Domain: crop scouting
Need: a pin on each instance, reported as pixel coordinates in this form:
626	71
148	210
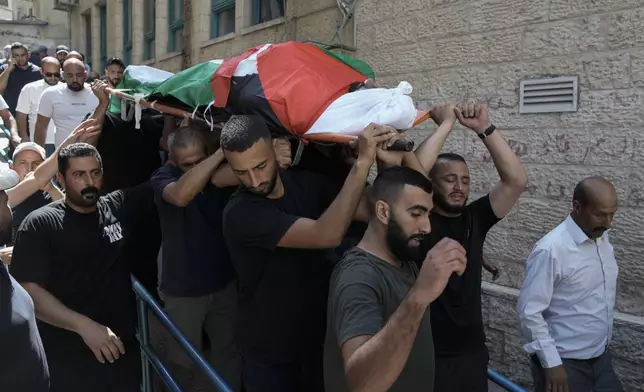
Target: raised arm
514	179
374	363
5	73
445	117
47	170
99	113
182	191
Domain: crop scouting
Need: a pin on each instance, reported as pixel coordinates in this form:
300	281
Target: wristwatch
487	132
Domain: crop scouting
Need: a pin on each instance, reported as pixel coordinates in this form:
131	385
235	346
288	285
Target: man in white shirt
29	99
567	301
9	122
66	104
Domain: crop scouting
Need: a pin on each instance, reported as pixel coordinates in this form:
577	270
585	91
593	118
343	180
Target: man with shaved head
567	301
29	99
67	104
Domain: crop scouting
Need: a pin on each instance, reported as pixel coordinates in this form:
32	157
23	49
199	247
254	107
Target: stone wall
452	50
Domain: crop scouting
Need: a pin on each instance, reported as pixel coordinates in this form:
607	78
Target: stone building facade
456	49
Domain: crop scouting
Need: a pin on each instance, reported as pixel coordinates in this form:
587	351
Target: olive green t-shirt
364	292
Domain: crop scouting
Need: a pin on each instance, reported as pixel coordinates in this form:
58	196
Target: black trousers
584	375
299	376
463	373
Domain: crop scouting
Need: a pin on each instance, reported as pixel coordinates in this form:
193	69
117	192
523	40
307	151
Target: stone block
625	29
541	216
400	60
301	8
445	21
515	355
635	195
459	82
370	11
630	374
556	182
495	340
637	67
512	245
365	36
491	47
395	32
607	108
616	146
315	26
628	226
628	340
507	13
549	146
570	8
566	37
511	271
630	297
606	71
505	114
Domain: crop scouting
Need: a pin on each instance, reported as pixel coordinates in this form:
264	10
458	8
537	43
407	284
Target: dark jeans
463	373
301	376
584	375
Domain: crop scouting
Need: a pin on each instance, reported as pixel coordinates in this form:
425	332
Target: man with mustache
16	73
68	257
23	365
281	228
457	321
29	99
379	335
66	104
114	68
567	301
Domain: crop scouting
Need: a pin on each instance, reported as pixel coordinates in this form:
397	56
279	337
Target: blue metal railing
149	356
503	382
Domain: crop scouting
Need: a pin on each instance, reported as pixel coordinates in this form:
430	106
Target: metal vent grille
552	95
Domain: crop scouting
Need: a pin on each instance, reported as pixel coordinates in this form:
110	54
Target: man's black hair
76	150
241	132
445	157
19	45
186	137
115	61
391	181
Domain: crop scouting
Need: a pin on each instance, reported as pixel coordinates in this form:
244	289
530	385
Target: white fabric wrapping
353	112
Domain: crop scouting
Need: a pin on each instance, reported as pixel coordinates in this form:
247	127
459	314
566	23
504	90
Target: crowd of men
290	278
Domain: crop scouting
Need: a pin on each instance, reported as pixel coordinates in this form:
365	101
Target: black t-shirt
457	321
195	259
76	258
129	155
365	291
283	291
30	204
17	80
23	365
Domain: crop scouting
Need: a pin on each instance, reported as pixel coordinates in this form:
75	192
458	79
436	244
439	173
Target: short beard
441	202
269	189
398	241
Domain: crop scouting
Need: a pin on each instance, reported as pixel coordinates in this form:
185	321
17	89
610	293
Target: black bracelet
487	132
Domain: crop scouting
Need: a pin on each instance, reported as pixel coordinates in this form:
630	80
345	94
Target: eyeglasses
50	74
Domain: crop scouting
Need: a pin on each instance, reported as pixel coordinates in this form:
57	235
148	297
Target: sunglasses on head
50	74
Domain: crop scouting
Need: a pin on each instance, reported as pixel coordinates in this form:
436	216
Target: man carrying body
67	104
198	281
457	321
29	99
379	335
67	256
567	301
114	68
281	228
23	365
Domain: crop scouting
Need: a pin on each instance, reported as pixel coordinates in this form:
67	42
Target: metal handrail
149	356
503	382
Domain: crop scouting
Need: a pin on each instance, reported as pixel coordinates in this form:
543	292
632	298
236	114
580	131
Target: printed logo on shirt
113	231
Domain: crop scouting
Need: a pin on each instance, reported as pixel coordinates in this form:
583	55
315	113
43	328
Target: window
149	19
103	27
175	20
4	3
87	24
265	10
222	18
127	32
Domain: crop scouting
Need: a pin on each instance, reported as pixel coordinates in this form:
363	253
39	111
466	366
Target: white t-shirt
3	103
66	108
28	104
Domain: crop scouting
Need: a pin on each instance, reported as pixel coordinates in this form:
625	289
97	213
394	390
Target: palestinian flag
138	79
288	84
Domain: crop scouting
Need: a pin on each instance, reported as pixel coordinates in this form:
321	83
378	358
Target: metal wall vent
551	95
